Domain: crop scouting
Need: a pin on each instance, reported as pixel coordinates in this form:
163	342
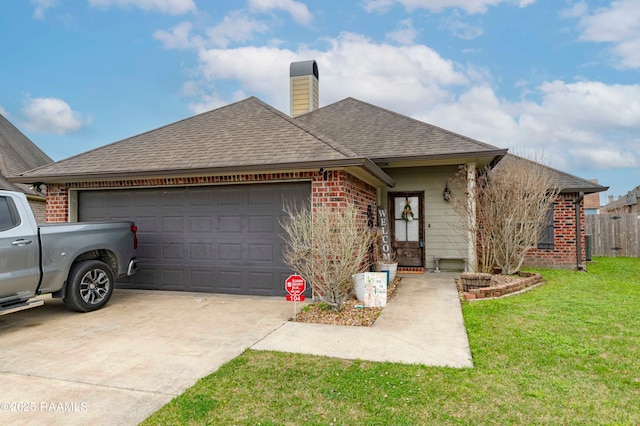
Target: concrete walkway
422	324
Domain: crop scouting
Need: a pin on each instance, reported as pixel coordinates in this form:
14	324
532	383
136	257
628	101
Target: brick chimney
304	78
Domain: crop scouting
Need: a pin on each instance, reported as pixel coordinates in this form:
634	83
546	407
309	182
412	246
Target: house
207	192
563	242
18	154
626	204
592	201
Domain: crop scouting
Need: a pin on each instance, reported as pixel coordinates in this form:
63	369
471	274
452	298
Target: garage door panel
199	197
201	251
212	238
172	251
261	282
173	224
171	198
261	252
173	279
230	196
229	224
230	281
260	223
200	224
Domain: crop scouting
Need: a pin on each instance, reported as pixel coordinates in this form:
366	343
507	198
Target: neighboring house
207	192
625	204
18	154
592	201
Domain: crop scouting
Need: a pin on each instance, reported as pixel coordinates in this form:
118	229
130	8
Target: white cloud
177	38
617	25
405	34
41	7
4	112
169	7
378	6
352	65
52	115
469	6
459	28
583	125
297	10
235	27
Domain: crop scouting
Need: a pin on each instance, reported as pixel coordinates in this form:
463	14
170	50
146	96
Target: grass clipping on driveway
565	353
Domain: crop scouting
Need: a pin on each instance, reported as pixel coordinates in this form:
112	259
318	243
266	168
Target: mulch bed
352	313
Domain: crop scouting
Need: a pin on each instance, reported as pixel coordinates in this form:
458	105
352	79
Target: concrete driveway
122	363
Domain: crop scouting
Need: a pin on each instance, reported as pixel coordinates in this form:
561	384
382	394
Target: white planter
358	286
391	267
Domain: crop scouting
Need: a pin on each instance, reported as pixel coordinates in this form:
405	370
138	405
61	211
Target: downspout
578	202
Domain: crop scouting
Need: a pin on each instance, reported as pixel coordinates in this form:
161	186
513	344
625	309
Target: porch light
446	194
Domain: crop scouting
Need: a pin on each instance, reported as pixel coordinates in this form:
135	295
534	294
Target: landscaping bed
474	286
353	313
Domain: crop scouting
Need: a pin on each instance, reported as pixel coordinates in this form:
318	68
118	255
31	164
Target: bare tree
512	202
327	245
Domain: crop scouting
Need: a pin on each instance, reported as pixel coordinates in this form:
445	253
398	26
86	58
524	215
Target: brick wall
337	188
334	187
39	210
563	254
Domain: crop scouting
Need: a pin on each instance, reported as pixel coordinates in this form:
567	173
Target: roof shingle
17	154
246	133
382	135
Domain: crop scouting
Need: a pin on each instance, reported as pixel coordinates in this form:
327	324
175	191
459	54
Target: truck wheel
89	286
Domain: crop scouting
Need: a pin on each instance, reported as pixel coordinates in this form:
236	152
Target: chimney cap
302	68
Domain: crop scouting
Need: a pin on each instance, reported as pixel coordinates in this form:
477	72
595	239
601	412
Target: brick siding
334	187
563	254
39	210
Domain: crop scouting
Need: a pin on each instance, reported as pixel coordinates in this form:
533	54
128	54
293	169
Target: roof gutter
369	166
453	155
585	190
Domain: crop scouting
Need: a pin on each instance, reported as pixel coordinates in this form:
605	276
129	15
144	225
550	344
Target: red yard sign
295	286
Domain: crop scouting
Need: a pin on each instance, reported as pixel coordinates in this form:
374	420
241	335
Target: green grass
565	353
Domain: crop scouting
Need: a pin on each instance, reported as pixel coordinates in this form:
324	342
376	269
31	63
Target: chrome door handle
21	242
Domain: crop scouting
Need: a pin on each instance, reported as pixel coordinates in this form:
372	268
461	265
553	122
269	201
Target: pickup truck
77	262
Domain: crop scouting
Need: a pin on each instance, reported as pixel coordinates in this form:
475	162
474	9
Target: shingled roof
567	183
17	154
245	136
384	135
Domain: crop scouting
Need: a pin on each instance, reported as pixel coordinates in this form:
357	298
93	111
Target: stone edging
526	283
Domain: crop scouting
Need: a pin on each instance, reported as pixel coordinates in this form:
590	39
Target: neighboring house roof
18	154
630	199
385	136
245	136
567	183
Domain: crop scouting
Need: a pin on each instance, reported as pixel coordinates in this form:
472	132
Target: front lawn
565	353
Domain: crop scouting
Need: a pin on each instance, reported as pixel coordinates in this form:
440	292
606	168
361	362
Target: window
8	214
547	238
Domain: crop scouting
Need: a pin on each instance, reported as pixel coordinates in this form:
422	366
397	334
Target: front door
406	209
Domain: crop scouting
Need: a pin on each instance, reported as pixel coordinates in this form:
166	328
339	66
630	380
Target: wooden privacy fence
614	235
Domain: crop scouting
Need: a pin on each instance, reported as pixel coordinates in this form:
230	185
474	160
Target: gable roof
385	136
245	136
567	183
17	154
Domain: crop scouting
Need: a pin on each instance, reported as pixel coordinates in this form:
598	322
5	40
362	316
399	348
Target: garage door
218	239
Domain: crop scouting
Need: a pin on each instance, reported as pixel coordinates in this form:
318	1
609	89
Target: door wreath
407	214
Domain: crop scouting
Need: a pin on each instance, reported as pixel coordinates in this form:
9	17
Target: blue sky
550	78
